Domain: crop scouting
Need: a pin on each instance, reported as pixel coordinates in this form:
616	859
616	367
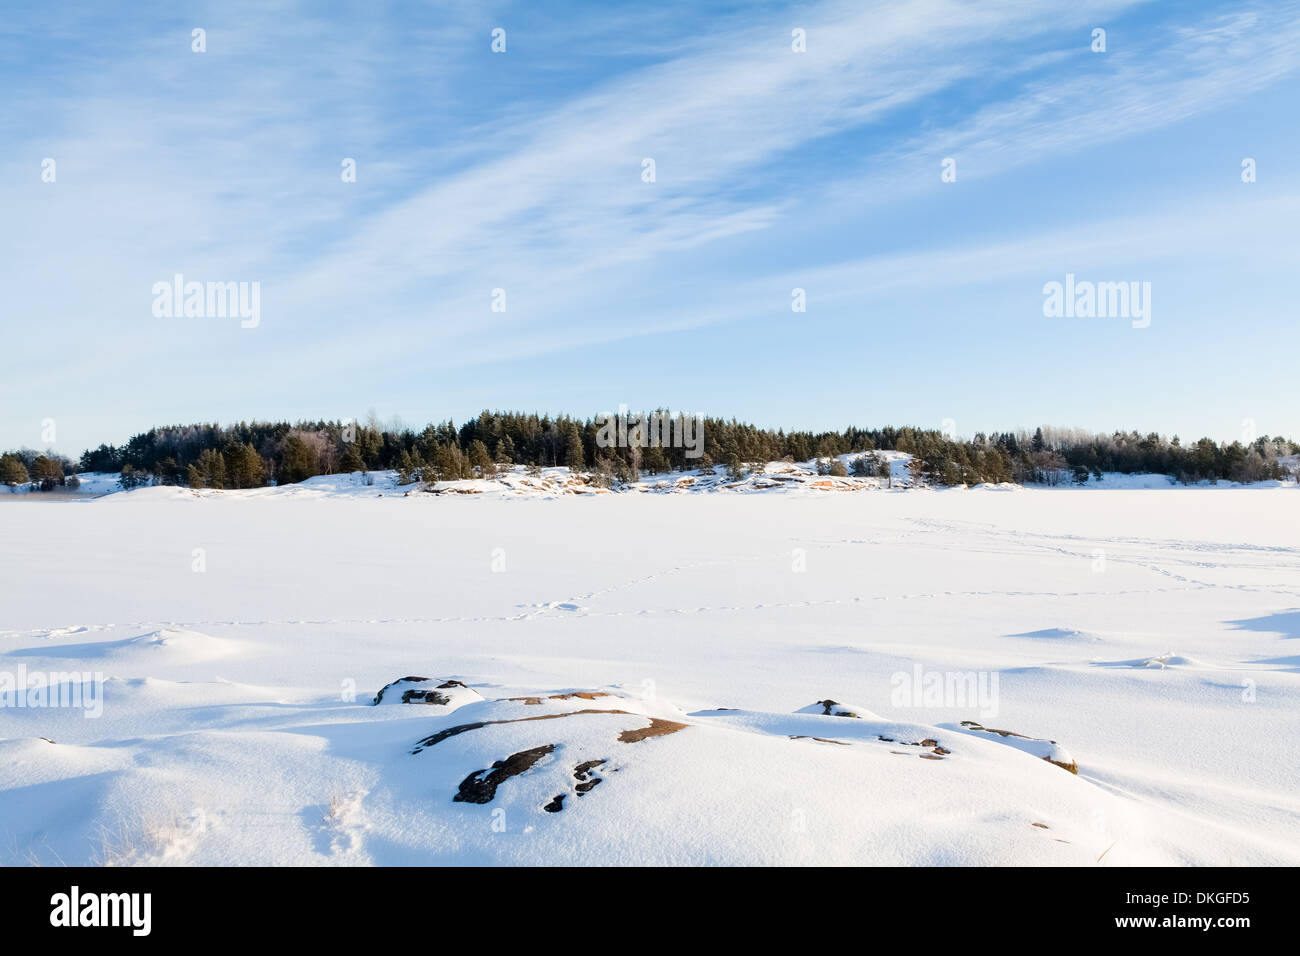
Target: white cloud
235	177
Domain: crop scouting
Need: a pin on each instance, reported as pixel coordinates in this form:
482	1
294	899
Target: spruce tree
405	469
351	460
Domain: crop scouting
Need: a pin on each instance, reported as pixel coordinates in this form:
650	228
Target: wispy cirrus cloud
523	171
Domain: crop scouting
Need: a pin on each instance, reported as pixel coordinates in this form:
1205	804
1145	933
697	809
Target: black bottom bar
383	906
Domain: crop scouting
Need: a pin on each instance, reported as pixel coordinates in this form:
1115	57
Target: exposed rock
1048	750
587	779
586	776
579	694
479	789
658	727
833	708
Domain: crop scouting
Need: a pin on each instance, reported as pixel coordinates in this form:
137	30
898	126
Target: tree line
253	454
44	472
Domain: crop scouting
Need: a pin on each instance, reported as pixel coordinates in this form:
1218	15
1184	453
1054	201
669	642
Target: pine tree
506	451
254	467
233	456
656	462
370	441
212	467
297	462
573	449
735	470
48	471
480	460
12	470
405	469
449	463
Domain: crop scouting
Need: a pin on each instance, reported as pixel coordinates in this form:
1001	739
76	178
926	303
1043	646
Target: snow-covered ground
89	484
729	678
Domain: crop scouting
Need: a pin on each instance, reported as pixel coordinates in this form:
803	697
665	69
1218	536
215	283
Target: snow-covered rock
1048	750
449	694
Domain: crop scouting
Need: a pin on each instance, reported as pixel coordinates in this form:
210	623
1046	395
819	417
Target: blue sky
774	170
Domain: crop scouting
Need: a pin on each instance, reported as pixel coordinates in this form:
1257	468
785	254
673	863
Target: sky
922	170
